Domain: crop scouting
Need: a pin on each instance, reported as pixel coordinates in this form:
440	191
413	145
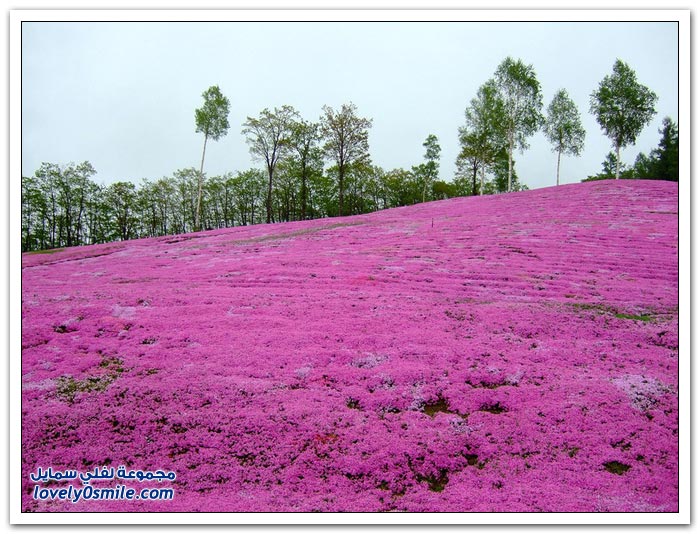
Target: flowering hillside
506	353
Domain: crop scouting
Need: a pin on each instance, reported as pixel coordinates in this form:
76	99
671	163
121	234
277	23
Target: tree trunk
617	162
476	170
268	203
341	172
558	162
481	189
199	188
510	160
303	190
53	221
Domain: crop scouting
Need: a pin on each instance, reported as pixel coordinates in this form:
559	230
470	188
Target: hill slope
509	353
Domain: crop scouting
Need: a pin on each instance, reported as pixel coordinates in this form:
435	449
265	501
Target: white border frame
15	127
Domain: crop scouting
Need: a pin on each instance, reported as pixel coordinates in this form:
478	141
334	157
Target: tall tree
268	136
623	107
482	136
346	137
430	168
522	101
303	142
212	121
467	164
563	127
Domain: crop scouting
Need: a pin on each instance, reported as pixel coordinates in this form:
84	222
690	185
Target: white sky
122	95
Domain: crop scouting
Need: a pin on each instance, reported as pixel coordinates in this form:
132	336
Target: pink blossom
507	353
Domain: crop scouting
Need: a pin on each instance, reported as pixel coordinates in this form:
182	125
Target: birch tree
563	127
522	102
212	121
623	107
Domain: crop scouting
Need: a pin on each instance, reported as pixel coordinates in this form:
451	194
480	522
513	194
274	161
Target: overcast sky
122	95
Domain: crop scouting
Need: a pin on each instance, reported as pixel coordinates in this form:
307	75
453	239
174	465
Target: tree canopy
483	135
346	141
428	171
563	127
268	136
522	103
212	117
622	106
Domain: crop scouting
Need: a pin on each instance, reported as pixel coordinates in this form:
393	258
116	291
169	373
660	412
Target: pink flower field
511	353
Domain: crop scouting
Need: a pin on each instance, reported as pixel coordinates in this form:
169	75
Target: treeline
63	206
310	170
323	169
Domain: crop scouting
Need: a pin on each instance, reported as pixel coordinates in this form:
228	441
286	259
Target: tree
503	172
665	156
268	135
121	199
662	162
97	215
522	102
482	135
323	197
376	192
34	207
151	220
429	169
563	127
70	186
164	196
401	188
611	163
57	204
346	137
644	167
212	121
444	190
303	143
287	191
622	107
467	164
467	167
185	183
248	188
609	166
